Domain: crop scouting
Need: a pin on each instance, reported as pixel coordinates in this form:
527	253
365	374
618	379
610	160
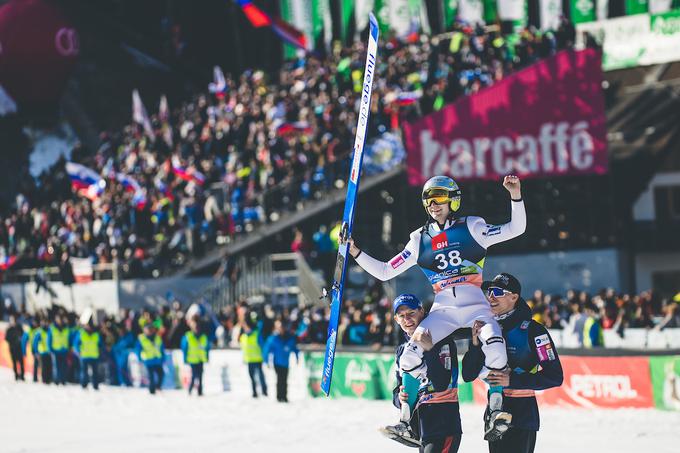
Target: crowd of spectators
369	321
365	321
262	144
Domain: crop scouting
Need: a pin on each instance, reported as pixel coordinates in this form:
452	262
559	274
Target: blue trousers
85	366
60	366
255	371
197	377
155	373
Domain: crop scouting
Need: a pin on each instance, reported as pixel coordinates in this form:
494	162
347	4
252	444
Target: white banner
551	10
602	9
471	11
82	269
659	6
638	40
361	10
511	9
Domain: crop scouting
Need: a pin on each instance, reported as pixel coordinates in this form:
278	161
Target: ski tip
372	19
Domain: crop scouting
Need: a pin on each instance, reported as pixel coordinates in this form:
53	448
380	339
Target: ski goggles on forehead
436	196
495	291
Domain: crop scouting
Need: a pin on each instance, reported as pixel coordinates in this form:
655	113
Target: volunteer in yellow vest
59	345
88	345
196	349
151	352
42	351
251	345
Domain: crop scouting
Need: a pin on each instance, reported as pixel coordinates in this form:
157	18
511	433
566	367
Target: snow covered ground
38	418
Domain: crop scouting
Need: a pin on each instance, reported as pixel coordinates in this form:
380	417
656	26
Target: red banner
589	382
545	120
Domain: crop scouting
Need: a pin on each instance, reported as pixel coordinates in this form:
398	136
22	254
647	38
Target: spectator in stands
16	341
277	349
591	332
672	314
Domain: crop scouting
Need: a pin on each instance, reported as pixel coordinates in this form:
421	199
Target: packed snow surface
39	418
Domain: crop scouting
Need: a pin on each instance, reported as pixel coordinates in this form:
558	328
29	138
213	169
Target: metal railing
102	271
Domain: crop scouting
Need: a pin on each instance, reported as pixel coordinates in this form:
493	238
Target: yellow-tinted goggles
436	196
436	200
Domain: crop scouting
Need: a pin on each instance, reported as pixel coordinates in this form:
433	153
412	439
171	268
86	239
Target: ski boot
496	424
402	433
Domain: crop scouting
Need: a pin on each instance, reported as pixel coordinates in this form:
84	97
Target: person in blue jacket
431	416
151	352
532	357
279	346
59	343
121	350
89	345
41	350
196	348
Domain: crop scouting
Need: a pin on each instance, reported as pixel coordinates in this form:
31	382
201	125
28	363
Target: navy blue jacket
533	359
438	411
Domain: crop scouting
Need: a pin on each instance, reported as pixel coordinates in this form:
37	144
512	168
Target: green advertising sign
369	376
582	11
666	23
636	6
450	13
665	372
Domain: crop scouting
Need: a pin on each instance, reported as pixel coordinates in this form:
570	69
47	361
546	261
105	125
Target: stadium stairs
311	208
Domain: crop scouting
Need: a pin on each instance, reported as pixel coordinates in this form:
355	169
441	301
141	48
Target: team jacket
452	255
534	362
437	412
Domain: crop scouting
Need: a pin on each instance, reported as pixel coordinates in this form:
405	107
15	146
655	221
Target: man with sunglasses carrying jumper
532	356
451	250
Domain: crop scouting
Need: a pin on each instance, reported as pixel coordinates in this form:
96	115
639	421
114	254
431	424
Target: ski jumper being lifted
451	250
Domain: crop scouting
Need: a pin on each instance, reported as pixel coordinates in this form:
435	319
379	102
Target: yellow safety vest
252	353
42	342
59	338
150	350
197	348
89	344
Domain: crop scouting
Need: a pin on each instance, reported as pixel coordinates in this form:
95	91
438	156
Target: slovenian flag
131	185
187	174
163	188
408	97
219	84
298	127
286	31
290	34
85	181
255	15
7	261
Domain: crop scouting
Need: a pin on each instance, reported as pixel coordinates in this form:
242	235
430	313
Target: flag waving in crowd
85	181
139	114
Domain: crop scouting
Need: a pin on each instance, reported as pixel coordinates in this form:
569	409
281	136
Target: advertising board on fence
665	371
363	375
545	120
602	382
637	40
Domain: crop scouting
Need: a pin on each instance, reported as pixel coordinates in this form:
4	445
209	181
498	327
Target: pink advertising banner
545	120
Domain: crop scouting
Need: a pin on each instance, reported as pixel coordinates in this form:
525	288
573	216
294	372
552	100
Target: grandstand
178	165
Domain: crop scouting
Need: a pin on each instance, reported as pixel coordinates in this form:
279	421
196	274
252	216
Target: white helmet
441	190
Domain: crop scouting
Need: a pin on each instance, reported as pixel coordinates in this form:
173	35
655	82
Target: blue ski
348	215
